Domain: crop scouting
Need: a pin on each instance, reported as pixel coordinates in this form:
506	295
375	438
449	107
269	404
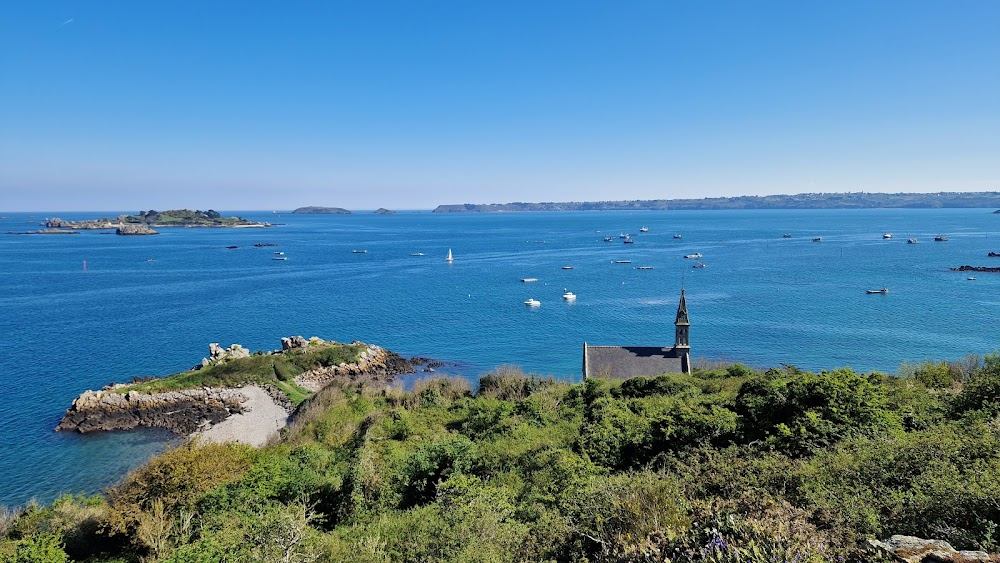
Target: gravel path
261	419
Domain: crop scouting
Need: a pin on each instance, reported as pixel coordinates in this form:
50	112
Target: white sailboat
450	258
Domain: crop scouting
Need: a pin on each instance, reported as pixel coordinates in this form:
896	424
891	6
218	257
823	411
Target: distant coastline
857	200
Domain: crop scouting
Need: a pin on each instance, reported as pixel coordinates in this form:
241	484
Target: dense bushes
727	464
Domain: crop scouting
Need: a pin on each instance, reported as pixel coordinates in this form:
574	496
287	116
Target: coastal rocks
374	363
217	354
384	211
57	223
134	229
909	549
293	342
967	268
180	411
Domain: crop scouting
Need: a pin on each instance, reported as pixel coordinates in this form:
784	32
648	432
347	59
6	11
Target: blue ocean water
762	299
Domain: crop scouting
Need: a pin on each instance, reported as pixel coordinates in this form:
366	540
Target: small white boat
883	291
694	256
567	267
940	238
529	280
621	261
569	296
887	235
450	258
911	241
416	254
786	235
279	253
279	258
359	252
643	267
609	239
622	235
644	230
628	240
678	236
699	265
971	278
532	303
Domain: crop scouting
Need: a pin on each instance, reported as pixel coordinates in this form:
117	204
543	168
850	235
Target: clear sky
108	105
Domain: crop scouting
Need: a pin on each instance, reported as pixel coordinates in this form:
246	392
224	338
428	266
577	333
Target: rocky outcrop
134	229
967	268
217	354
181	411
374	364
57	223
384	211
909	549
293	342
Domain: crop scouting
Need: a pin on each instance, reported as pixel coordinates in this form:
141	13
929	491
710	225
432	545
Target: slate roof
622	362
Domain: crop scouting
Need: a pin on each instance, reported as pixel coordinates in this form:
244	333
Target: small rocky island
316	210
967	268
221	385
384	211
144	222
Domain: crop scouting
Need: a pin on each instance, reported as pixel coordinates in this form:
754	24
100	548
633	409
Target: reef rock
293	342
909	549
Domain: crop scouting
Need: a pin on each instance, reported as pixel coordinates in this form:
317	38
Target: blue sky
274	105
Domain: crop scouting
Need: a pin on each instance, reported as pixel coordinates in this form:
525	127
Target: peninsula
856	200
143	222
316	210
224	382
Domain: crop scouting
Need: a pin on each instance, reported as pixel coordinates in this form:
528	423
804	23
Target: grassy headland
729	464
278	369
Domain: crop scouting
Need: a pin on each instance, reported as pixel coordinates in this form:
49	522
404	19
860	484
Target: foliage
726	464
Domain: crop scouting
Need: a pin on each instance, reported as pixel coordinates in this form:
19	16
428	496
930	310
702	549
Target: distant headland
143	222
316	210
855	200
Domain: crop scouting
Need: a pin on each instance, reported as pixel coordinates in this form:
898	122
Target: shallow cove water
150	305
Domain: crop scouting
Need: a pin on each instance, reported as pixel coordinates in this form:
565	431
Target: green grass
275	369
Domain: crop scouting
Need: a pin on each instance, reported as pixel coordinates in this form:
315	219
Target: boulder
910	549
293	342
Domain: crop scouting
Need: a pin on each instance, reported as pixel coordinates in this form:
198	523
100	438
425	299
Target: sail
450	258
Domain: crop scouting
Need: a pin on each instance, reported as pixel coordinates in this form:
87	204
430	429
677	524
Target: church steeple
681	325
682	346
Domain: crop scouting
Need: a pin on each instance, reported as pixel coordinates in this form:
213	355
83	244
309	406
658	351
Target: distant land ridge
851	200
317	210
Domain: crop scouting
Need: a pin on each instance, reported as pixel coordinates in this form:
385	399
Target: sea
81	311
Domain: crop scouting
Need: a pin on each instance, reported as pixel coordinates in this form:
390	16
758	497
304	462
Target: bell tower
682	329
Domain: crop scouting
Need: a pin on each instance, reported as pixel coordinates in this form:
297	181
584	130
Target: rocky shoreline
186	411
181	411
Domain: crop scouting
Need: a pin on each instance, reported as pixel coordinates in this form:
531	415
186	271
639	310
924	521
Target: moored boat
569	296
818	239
882	291
699	265
940	238
529	280
644	230
911	241
359	252
532	303
621	261
643	267
887	235
694	256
